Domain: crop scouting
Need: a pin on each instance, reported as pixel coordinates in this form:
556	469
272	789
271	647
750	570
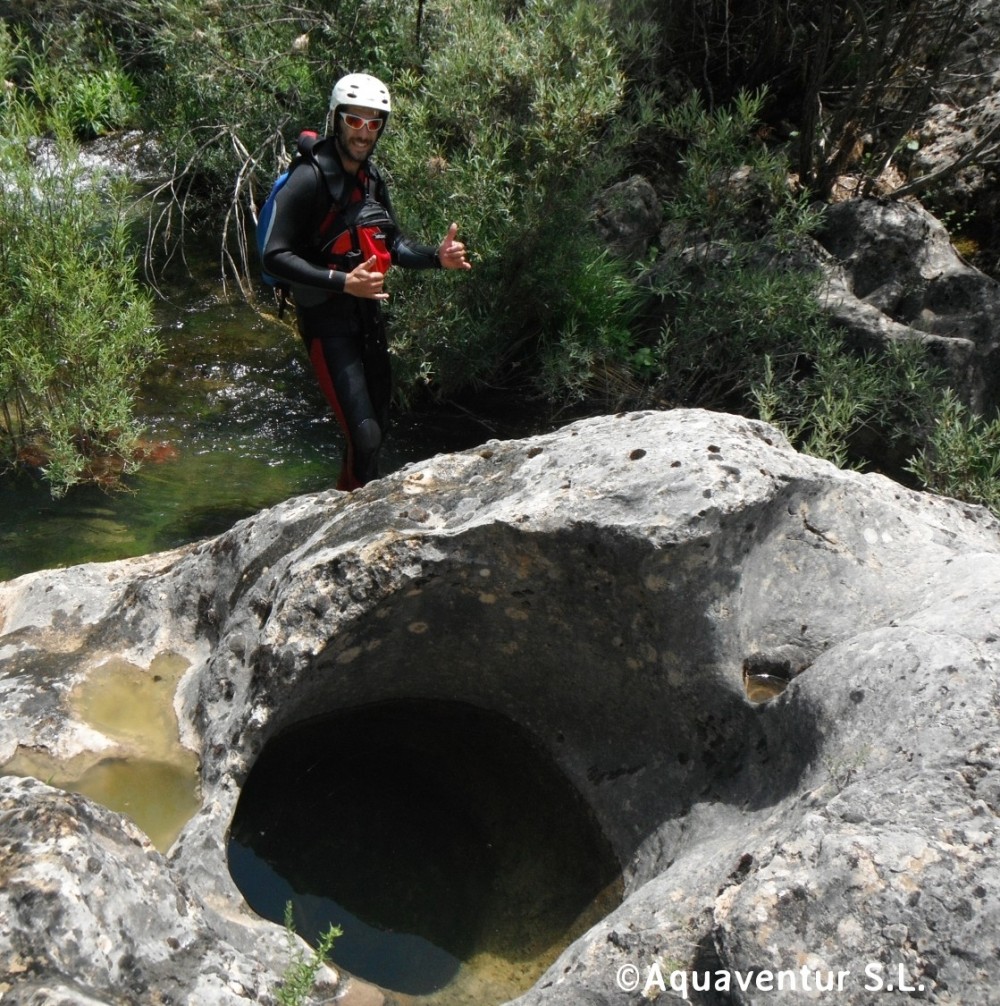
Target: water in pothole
454	855
143	771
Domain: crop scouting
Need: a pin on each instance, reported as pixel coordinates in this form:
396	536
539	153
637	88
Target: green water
145	773
243	426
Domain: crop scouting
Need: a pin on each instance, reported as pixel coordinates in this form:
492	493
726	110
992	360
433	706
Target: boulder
618	588
93	914
893	274
627	216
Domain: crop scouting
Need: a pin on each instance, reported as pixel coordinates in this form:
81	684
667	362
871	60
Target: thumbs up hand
366	281
452	253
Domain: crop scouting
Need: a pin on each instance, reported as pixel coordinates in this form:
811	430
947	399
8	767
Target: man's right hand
366	281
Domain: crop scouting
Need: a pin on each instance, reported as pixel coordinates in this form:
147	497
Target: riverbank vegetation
75	324
510	117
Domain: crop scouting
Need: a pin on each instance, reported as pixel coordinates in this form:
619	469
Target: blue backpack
307	140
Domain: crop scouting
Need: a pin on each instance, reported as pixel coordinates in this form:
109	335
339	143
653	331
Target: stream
238	424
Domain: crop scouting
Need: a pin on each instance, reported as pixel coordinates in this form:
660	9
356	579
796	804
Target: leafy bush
300	975
75	327
100	102
72	78
512	127
961	456
852	409
731	295
744	330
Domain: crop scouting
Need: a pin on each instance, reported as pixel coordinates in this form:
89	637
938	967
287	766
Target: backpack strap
333	192
336	198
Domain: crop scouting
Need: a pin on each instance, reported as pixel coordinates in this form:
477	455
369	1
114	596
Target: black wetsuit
345	335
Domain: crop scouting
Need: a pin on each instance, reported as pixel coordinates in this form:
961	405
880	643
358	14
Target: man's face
358	142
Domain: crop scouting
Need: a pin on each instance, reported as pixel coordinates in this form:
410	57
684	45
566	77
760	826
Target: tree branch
924	181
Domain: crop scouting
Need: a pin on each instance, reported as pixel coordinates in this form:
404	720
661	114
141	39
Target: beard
356	149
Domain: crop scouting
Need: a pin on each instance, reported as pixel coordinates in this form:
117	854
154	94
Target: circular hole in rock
455	856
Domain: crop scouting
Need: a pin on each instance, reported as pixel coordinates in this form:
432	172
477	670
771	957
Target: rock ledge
607	587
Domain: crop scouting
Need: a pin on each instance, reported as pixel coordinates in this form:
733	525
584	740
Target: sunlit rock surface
615	587
894	276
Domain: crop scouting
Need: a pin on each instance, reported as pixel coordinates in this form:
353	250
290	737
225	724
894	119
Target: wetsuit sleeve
414	256
406	253
289	248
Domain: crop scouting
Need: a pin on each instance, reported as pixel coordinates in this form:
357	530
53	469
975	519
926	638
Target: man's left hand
451	253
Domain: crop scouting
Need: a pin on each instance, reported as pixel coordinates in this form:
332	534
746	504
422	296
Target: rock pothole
603	654
607	652
441	840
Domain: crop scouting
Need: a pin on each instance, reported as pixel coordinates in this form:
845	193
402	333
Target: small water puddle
147	775
452	852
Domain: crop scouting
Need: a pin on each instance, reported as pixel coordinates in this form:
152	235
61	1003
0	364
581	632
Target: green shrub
731	294
744	330
727	318
300	975
72	79
961	456
75	326
100	102
851	408
590	350
511	129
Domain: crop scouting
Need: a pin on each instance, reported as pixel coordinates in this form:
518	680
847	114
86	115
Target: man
332	236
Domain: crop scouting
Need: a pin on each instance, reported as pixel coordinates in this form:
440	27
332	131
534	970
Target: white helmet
361	89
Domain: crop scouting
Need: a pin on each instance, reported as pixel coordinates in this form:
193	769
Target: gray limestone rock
613	587
894	275
627	216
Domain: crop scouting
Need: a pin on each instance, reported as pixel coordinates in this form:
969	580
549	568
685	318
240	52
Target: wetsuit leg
337	352
378	370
